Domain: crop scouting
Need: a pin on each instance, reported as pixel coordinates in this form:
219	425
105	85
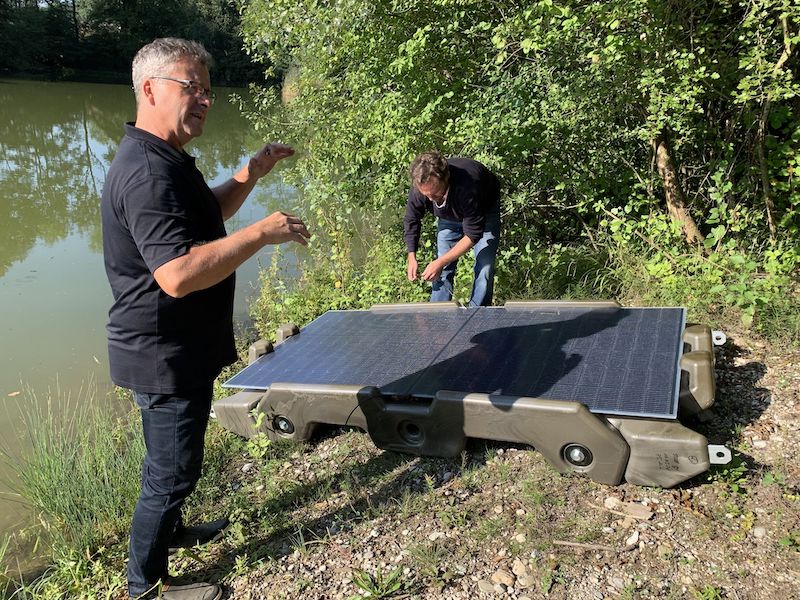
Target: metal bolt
577	455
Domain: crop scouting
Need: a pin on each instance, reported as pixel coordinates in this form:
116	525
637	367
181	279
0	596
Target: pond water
56	143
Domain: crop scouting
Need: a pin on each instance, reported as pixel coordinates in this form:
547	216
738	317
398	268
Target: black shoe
192	591
186	537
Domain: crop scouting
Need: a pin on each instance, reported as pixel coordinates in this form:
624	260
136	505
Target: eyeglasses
196	88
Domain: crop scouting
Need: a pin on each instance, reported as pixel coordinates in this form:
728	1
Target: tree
66	37
665	134
583	106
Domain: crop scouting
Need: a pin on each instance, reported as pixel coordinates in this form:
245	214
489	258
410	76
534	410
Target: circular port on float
411	433
283	425
577	455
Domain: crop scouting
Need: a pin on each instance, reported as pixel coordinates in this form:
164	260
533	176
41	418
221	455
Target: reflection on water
56	143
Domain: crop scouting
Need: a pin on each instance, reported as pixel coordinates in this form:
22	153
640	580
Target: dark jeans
174	431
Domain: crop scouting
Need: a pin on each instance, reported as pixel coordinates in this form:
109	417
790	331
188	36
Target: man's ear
147	91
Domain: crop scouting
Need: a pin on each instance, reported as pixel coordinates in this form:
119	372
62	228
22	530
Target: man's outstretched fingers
282	227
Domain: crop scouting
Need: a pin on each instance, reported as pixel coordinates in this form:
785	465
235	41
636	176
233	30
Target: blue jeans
174	431
485	251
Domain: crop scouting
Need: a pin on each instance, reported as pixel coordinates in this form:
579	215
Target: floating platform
597	388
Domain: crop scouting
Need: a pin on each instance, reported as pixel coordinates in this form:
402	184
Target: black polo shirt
473	193
155	206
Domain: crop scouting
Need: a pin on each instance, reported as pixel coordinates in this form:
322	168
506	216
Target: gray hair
429	164
160	54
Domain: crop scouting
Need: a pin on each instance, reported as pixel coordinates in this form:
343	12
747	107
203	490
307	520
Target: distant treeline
96	39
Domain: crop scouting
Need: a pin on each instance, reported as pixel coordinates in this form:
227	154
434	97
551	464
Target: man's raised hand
266	158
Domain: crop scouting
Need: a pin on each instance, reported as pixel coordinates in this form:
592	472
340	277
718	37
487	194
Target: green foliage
755	284
773	478
81	476
429	559
6	580
733	475
65	38
708	592
557	271
563	101
379	585
328	281
35	38
258	446
791	541
74	574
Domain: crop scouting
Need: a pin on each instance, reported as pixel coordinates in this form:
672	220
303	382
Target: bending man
465	197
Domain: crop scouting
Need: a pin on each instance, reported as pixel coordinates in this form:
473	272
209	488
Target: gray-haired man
171	267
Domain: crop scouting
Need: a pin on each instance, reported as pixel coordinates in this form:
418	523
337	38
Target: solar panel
613	360
621	361
356	348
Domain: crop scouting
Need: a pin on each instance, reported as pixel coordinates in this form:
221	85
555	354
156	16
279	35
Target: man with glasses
171	264
465	197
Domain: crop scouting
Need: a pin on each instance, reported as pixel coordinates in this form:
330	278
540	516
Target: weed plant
79	470
5	577
379	585
752	288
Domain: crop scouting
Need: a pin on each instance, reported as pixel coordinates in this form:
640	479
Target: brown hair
429	164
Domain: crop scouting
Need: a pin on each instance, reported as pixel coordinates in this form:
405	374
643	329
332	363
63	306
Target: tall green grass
6	582
78	468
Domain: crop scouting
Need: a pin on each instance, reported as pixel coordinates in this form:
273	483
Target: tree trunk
766	192
676	201
75	22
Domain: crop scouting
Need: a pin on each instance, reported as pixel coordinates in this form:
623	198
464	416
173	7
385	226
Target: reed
79	468
5	578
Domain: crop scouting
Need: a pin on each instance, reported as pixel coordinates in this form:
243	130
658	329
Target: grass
489	529
708	592
294	517
379	585
410	504
6	580
538	495
303	541
80	470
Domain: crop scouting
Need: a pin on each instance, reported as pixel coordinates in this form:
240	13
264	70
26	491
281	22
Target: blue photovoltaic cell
621	361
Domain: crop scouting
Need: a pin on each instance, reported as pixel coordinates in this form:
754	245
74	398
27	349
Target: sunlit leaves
561	99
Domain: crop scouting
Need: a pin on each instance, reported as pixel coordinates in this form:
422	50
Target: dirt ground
338	518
